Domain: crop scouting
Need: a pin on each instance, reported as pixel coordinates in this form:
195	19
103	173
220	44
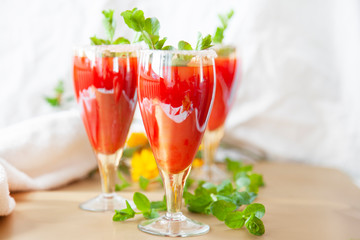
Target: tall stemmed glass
105	80
176	90
226	85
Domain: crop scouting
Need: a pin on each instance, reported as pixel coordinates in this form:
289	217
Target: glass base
210	173
173	225
106	202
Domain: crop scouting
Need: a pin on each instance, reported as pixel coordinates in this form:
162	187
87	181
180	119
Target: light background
299	95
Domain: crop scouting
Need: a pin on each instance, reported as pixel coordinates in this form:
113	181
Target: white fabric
7	203
42	153
298	98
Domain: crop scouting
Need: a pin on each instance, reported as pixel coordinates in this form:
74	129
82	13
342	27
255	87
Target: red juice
105	89
175	109
225	87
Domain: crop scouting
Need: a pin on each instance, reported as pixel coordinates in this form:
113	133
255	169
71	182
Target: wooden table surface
302	202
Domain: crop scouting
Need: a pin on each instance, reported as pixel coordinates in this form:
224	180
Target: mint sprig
223	201
109	25
148	28
244	177
148	209
57	100
224	20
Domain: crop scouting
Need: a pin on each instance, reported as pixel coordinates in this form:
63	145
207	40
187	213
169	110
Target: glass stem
211	143
108	166
174	186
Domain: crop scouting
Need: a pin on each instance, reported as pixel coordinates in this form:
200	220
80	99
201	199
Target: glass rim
112	47
202	53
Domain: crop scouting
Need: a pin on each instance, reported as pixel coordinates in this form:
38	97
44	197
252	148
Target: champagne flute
226	85
175	92
105	82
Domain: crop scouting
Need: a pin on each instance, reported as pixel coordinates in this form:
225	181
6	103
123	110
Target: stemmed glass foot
173	225
105	202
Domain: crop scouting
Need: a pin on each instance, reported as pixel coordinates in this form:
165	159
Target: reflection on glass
175	91
105	88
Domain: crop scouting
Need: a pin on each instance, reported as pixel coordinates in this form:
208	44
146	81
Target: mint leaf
255	209
122	215
243	198
242	182
210	187
232	166
203	42
160	43
225	188
182	45
59	90
224	20
256	181
53	101
142	202
134	19
221	208
121	40
124	184
143	182
96	41
159	205
168	48
198	202
234	220
148	28
109	24
255	225
151	214
152	26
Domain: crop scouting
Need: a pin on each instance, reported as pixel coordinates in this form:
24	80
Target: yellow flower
137	139
143	164
198	162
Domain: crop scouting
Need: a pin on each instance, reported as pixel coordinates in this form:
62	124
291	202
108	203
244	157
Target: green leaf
225	188
234	220
59	89
143	182
232	166
151	214
243	198
182	45
242	182
255	225
198	154
134	19
256	181
121	40
256	209
221	208
168	48
152	26
122	215
53	101
210	187
109	23
159	205
200	202
219	35
142	202
224	20
189	182
160	43
203	43
124	184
